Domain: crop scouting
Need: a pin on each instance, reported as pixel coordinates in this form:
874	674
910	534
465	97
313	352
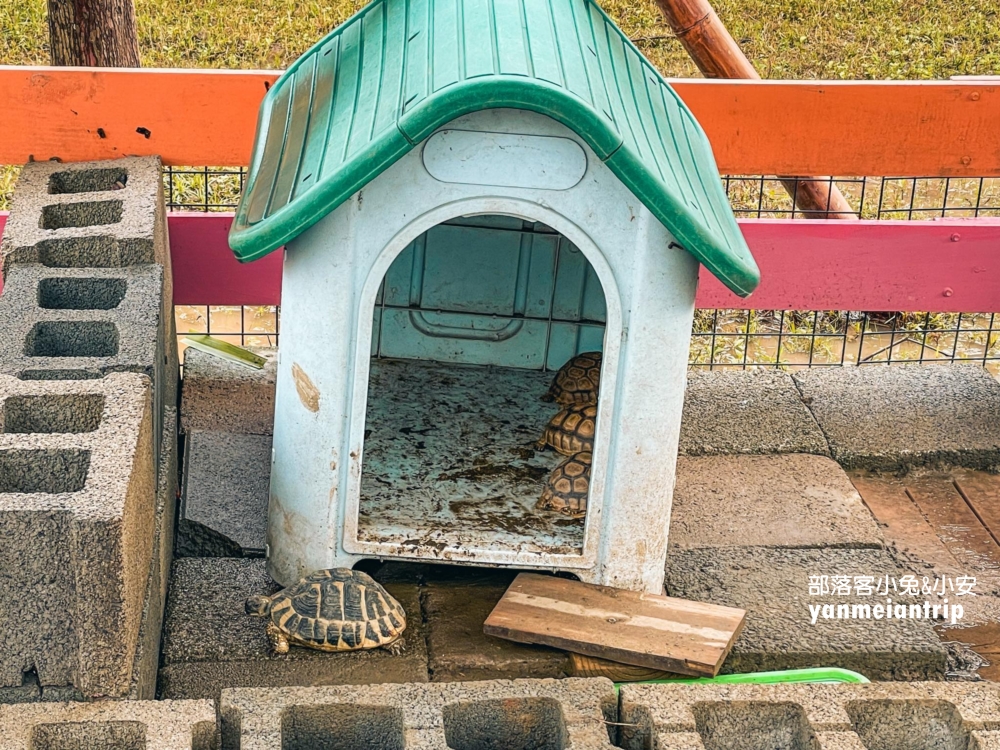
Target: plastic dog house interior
459	221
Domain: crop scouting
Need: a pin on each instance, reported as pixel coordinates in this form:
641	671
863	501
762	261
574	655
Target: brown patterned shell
577	381
571	430
338	610
567	486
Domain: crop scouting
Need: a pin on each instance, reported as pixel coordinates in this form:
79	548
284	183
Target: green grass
868	39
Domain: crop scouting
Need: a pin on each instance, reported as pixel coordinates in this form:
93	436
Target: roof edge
737	271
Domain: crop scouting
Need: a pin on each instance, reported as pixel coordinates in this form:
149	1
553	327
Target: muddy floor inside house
450	459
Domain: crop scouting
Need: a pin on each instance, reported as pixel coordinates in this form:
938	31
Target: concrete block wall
540	714
110	725
87	487
77	508
876	716
87	285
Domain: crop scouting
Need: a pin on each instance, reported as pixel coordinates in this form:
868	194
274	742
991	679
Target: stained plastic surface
387	78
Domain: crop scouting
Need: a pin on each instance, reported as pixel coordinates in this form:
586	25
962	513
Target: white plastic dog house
469	194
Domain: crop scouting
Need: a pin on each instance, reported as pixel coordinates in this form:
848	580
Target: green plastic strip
813	674
226	351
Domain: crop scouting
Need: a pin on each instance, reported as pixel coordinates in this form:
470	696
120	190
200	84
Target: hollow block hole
341	727
908	725
106	735
50	471
87	180
81	294
62	413
505	724
83	214
754	726
102	251
73	338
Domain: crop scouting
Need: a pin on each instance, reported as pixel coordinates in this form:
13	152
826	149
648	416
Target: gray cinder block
878	716
895	418
103	214
210	643
110	725
792	500
77	516
147	655
88	289
224	497
772	585
221	396
543	714
75	323
752	411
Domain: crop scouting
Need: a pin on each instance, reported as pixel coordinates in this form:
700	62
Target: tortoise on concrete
571	430
331	610
577	381
567	486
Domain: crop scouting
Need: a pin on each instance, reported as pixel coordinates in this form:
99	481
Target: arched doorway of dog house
470	325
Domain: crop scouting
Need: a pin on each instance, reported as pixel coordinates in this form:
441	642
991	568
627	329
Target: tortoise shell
577	381
571	430
337	610
567	486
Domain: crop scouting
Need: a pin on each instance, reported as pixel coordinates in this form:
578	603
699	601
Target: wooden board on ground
646	630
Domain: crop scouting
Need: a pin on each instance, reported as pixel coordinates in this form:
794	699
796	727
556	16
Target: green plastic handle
812	674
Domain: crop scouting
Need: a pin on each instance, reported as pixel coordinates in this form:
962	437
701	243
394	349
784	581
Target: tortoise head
258	605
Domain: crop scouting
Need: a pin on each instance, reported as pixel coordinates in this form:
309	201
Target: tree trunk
93	33
717	55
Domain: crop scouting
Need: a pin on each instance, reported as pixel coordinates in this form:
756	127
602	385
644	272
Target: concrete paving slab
571	713
225	494
210	643
900	417
772	584
877	716
454	613
78	495
792	500
110	725
221	396
751	411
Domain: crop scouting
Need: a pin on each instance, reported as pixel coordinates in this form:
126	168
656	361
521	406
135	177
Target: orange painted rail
199	117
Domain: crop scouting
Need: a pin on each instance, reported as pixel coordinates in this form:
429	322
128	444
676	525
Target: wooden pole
93	33
717	55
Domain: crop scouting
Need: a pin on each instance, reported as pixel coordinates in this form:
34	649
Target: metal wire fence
724	338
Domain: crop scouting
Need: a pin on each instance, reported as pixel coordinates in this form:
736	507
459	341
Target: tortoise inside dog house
470	193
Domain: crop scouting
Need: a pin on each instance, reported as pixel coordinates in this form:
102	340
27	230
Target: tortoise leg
541	444
279	642
396	648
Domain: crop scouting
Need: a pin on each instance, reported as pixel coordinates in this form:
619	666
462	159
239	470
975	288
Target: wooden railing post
717	55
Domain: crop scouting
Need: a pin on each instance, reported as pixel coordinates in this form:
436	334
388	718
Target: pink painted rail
941	266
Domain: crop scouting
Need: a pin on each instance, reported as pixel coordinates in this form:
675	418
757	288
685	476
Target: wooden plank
646	630
805	265
955	523
982	492
199	117
902	522
193	117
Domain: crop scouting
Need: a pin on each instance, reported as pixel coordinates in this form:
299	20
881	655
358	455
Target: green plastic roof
396	71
